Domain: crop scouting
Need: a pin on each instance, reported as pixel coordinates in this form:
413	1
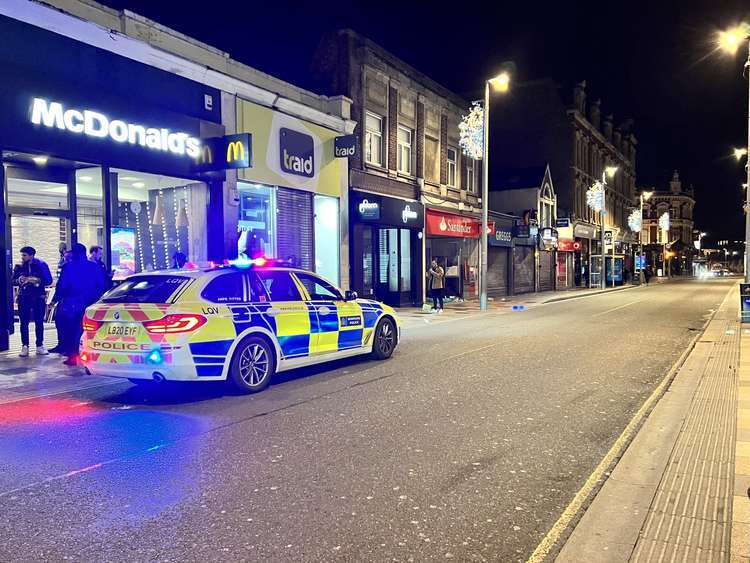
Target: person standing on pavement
648	273
81	284
32	276
436	275
96	255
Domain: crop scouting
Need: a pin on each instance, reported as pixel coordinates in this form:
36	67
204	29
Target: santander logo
443	224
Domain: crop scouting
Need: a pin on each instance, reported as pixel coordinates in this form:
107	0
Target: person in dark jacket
82	283
32	276
96	255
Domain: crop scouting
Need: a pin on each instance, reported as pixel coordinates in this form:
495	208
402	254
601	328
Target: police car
243	323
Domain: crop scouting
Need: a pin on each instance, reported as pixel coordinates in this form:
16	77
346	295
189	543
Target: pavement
469	444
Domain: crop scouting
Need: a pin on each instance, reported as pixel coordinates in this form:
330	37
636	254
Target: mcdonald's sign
227	152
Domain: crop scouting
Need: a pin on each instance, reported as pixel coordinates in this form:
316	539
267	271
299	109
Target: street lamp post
731	41
501	83
608	171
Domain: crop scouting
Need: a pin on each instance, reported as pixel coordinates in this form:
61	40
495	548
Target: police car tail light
90	324
172	324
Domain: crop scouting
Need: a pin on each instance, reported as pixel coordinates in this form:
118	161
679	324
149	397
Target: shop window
90	207
405	274
452	163
280	286
367	261
257	220
227	288
373	139
469	182
327	243
160	222
404	160
319	289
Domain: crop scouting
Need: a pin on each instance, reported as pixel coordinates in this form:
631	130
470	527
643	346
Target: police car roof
198	272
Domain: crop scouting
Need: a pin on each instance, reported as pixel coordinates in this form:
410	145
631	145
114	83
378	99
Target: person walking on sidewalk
436	275
648	273
81	284
32	276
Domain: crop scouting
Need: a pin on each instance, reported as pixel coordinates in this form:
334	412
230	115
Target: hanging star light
664	221
471	131
595	197
634	220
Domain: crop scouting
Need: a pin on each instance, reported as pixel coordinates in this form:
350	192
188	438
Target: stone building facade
408	134
537	123
675	245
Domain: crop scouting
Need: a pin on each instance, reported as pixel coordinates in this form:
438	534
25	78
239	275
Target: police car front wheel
385	340
253	365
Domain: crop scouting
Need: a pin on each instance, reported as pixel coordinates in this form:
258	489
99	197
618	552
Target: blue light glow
154	357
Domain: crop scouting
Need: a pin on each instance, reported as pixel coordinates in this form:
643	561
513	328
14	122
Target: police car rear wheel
252	365
385	340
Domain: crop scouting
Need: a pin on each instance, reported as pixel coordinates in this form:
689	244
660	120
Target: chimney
607	127
595	113
675	186
617	140
579	97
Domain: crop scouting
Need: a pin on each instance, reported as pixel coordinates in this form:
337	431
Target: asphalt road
466	445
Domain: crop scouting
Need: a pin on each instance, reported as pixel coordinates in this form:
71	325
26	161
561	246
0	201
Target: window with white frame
452	163
404	159
470	179
373	139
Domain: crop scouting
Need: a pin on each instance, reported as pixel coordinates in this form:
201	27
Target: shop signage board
562	222
501	236
608	239
521	231
345	146
291	152
450	225
568	246
584	231
547	238
227	152
371	208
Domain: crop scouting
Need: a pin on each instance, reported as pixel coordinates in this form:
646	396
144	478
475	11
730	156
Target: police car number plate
122	329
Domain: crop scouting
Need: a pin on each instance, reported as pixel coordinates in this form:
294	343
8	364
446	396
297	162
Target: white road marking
616	308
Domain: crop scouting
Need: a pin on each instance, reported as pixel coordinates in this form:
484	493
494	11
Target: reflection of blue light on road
134	463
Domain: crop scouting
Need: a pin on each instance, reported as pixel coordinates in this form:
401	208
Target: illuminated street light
501	83
610	171
730	41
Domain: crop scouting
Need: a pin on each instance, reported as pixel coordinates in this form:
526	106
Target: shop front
290	199
93	153
566	252
547	258
386	248
453	240
499	258
584	234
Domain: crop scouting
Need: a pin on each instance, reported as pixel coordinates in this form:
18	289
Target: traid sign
227	152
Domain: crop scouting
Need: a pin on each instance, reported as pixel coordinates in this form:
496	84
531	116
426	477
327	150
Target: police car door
337	323
286	314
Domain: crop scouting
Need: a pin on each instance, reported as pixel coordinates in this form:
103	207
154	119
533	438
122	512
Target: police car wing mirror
350	295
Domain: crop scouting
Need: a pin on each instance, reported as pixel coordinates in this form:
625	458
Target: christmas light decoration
664	221
471	131
634	220
595	197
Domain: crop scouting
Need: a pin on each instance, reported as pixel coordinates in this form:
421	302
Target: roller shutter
295	227
546	271
497	271
523	269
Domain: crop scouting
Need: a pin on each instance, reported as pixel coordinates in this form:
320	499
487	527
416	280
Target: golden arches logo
235	151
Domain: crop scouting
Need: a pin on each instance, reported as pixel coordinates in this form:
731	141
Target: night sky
653	60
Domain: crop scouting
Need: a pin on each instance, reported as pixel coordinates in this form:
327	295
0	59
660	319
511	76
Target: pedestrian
96	255
63	250
81	284
436	275
648	273
32	276
59	320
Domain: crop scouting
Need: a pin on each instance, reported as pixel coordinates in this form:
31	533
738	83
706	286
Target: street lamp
645	196
500	83
596	199
730	42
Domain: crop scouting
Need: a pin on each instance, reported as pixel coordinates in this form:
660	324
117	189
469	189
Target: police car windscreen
146	289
